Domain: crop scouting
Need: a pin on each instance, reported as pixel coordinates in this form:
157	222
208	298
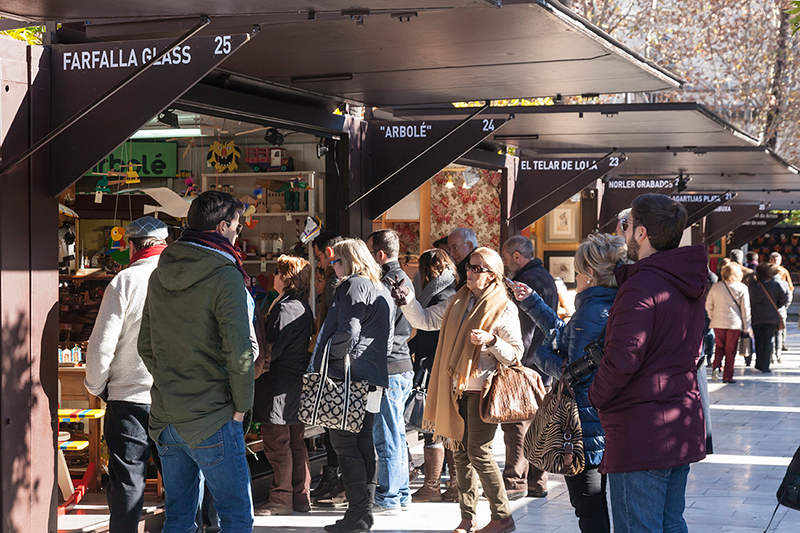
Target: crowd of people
747	309
184	353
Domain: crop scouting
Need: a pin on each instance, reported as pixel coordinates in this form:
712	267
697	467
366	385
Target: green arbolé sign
157	159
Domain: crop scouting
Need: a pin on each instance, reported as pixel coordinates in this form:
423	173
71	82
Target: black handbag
415	405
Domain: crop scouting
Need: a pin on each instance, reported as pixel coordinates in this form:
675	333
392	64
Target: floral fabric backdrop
409	237
477	208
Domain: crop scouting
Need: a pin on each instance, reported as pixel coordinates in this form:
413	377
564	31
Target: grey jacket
360	322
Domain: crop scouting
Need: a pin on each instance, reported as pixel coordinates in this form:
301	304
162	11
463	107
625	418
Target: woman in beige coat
480	331
728	307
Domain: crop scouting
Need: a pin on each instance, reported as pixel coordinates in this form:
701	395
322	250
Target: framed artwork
563	224
561	265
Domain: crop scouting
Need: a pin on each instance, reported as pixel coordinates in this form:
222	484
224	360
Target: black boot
330	478
358	517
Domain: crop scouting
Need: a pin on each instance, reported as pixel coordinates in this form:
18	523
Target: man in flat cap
115	372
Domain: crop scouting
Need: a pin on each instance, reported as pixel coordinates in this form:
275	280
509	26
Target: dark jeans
765	344
518	474
287	453
129	448
587	494
356	452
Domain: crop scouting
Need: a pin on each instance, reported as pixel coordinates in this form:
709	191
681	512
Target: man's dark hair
326	238
664	218
211	208
752	257
386	241
142	243
766	271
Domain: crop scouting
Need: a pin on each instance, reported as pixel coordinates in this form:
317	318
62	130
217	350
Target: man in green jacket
195	340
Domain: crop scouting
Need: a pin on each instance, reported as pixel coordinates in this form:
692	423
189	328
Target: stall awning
407	54
659	140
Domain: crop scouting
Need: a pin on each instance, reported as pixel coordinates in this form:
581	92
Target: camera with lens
583	367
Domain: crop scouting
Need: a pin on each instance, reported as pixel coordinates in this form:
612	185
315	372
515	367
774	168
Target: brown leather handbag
511	394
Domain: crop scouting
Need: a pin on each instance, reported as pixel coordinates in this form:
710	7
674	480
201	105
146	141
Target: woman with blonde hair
359	325
288	326
728	308
480	331
597	257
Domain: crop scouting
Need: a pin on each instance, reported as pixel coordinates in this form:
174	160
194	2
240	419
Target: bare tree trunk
776	86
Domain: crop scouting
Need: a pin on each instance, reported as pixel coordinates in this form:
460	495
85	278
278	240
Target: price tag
98	197
288	217
263	264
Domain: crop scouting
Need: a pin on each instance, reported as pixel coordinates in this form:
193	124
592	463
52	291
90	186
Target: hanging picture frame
561	264
563	224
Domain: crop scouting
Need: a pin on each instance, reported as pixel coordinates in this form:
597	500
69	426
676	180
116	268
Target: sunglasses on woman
624	224
477	269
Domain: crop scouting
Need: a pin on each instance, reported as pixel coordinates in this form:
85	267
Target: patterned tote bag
333	403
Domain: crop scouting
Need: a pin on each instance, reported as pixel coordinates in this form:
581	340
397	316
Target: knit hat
147	227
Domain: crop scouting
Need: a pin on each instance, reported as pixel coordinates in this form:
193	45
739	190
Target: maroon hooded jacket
646	387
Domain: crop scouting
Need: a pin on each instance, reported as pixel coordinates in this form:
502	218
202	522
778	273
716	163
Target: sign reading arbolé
157	159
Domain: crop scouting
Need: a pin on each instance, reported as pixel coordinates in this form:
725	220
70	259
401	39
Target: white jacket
112	354
727	309
507	350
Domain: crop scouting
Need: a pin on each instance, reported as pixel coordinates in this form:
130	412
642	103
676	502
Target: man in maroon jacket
646	387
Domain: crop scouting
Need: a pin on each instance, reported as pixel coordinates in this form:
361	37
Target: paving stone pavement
756	430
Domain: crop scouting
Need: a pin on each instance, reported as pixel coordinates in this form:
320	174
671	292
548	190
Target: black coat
277	393
535	276
360	323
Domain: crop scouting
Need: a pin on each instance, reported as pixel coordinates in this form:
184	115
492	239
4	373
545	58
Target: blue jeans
389	433
649	500
221	461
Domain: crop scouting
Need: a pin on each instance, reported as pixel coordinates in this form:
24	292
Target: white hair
467	235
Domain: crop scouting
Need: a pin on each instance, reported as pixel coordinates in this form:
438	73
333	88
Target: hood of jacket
685	268
182	265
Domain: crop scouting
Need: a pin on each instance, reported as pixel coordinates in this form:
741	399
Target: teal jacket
195	341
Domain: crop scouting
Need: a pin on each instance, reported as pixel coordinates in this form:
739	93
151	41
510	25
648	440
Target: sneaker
385	511
715	375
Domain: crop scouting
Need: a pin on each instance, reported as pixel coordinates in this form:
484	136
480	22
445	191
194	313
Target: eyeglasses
336	261
277	271
456	247
624	224
477	269
238	227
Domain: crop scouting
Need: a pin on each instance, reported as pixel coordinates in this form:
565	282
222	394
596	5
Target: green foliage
793	218
795	16
32	35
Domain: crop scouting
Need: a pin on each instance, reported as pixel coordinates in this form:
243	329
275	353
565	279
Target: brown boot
451	494
434	458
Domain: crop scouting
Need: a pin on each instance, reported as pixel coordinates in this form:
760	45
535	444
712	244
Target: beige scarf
456	360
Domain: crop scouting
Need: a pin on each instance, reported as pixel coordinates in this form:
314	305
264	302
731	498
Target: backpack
789	489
